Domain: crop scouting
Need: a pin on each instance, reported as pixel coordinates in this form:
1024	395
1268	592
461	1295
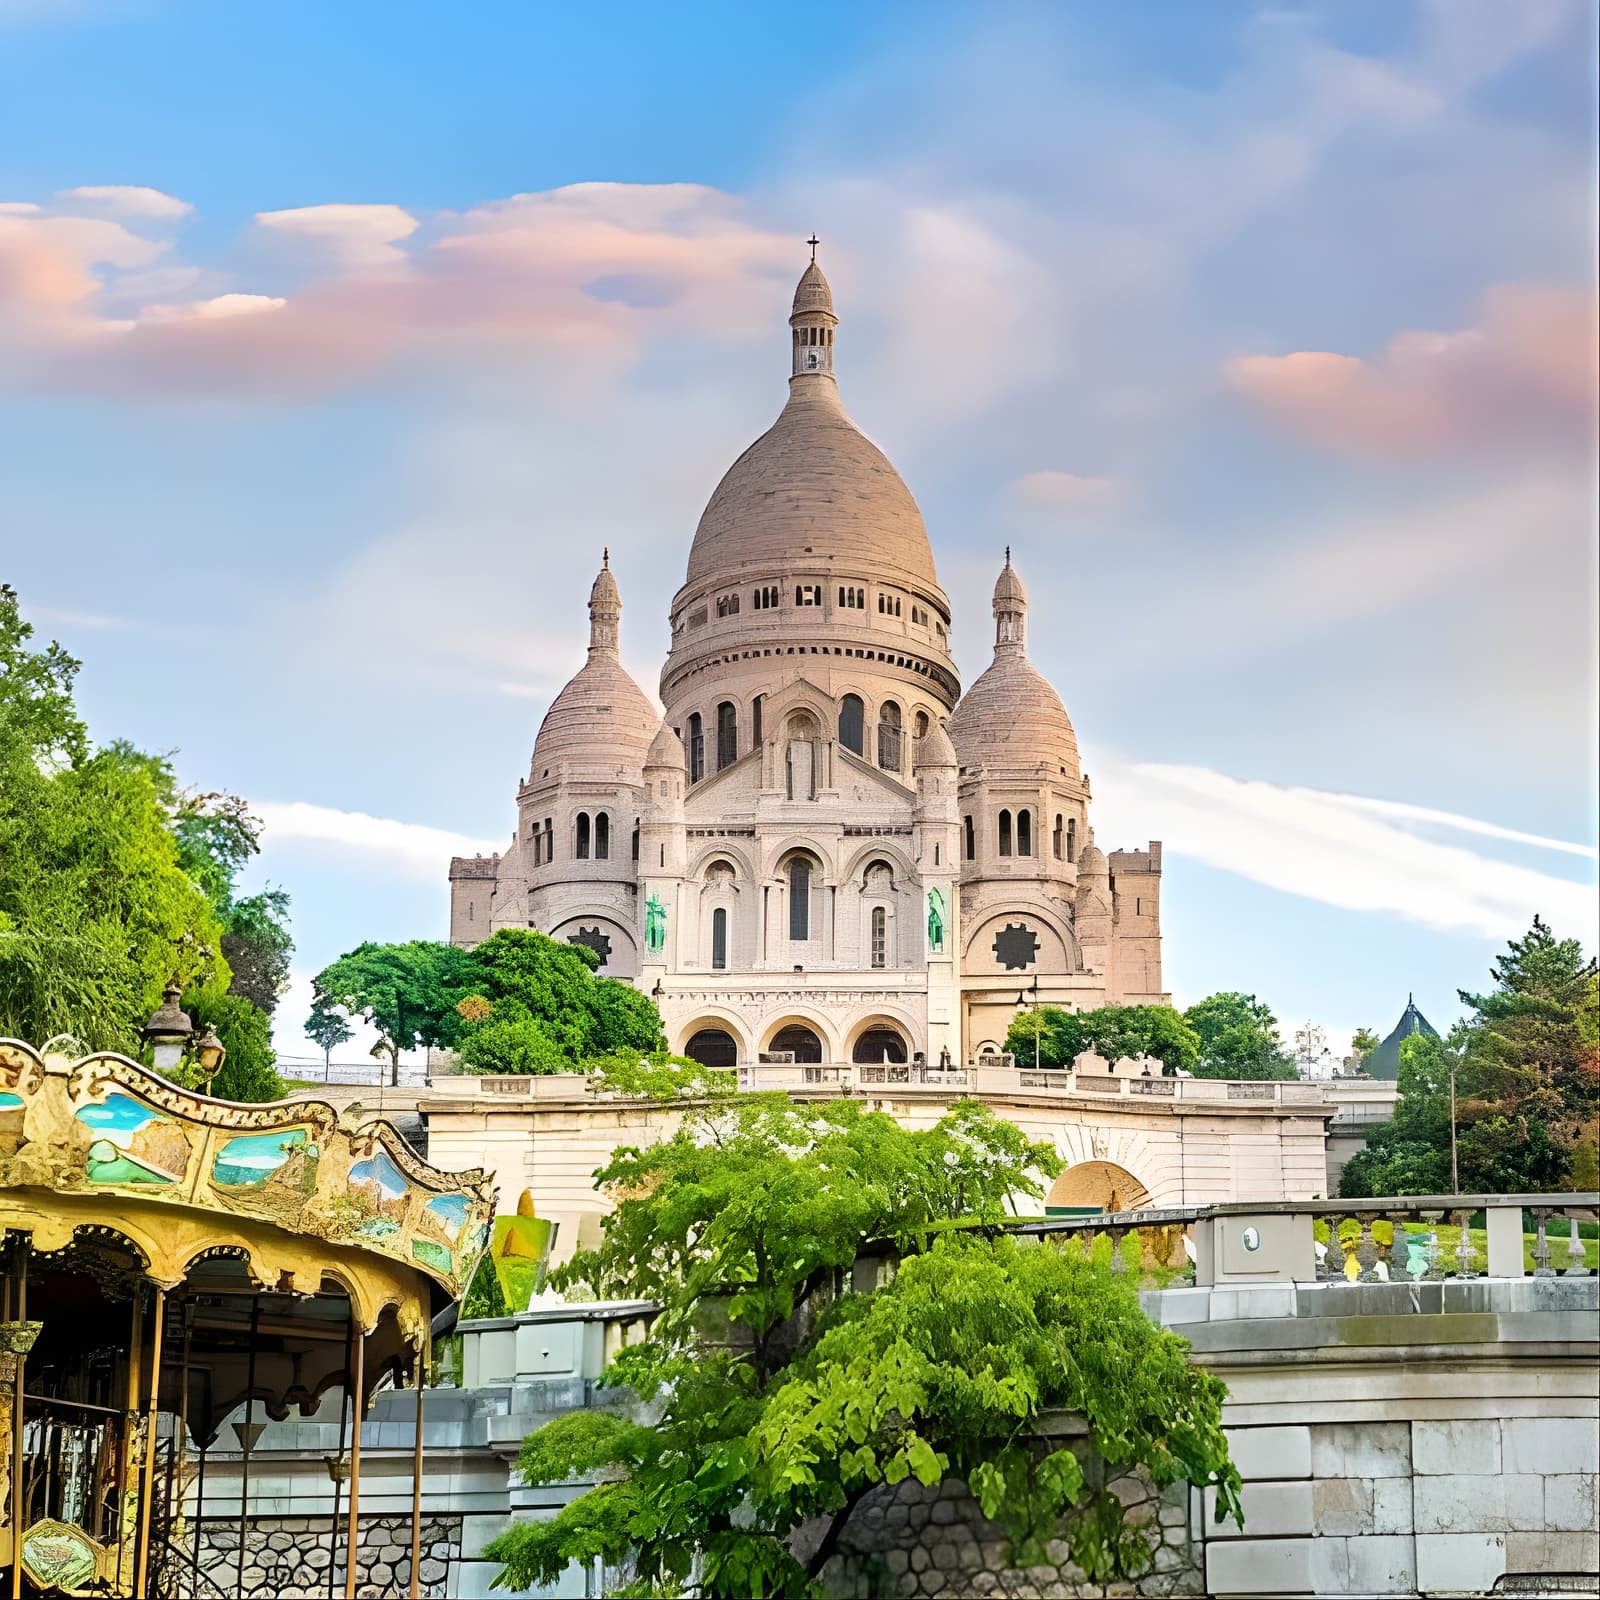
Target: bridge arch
1097	1186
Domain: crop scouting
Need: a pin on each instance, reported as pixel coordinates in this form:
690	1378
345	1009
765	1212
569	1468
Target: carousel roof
281	1225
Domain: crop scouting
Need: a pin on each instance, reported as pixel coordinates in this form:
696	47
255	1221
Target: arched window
802	1041
972	841
549	840
583	836
922	724
1005	833
713	1047
755	721
727	735
880	937
801	758
635	841
889	736
719	938
799	898
1072	838
1058	839
697	748
878	1045
1024	833
852	724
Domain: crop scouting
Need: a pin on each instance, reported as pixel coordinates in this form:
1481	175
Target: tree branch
830	1540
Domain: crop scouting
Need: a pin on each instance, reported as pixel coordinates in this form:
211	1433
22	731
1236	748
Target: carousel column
147	1475
415	1587
19	1340
353	1532
247	1432
338	1467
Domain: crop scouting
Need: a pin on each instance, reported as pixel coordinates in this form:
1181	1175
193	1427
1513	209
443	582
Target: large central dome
813	484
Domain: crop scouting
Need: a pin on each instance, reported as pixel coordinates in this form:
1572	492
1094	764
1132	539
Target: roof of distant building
1384	1062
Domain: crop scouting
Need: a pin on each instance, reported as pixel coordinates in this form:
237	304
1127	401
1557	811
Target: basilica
824	851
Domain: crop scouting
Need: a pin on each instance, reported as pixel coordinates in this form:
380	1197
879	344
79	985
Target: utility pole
1455	1176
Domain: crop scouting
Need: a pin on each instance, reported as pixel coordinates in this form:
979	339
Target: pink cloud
1527	368
593	266
1057	489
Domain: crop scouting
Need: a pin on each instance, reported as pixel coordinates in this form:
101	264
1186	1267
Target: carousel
178	1268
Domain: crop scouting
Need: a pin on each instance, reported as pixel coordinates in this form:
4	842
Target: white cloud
1341	850
355	235
222	305
1057	489
126	200
412	848
75	619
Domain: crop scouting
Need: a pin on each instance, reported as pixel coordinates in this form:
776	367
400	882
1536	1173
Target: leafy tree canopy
406	991
326	1027
782	1398
114	881
1363	1042
518	1002
1238	1037
1527	1060
1112	1031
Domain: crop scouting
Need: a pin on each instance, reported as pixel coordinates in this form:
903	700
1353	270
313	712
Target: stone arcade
824	852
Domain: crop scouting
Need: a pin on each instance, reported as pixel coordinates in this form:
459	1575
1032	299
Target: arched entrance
1093	1186
805	1044
880	1044
713	1047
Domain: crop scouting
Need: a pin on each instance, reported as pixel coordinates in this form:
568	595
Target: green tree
1112	1031
1410	1154
327	1028
96	911
1529	1085
547	1009
408	992
249	1071
781	1398
1238	1037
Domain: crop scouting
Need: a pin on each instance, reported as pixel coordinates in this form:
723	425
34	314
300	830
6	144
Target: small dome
812	292
601	719
1012	718
1009	593
934	748
605	592
1092	862
666	749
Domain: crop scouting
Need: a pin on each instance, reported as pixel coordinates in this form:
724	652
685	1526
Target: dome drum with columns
823	851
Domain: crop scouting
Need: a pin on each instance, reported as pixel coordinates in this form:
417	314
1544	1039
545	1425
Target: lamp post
1022	1000
171	1036
168	1031
1455	1176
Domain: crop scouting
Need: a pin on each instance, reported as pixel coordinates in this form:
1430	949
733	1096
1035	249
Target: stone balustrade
1369	1241
776	1071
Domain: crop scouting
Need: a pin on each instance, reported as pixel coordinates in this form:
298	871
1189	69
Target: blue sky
335	341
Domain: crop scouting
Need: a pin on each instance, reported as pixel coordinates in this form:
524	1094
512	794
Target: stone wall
289	1556
906	1540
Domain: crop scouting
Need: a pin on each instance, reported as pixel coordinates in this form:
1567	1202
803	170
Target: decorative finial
1008	555
605	557
813	241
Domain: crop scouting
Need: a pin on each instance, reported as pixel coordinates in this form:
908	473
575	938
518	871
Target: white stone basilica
824	852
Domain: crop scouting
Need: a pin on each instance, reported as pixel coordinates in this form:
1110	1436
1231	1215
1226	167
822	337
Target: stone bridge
1130	1139
1424	1435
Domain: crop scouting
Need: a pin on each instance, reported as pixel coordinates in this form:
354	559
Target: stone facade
289	1557
824	849
908	1541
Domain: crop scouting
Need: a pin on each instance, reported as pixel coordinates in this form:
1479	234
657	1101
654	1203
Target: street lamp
168	1031
1022	1000
209	1051
1455	1176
